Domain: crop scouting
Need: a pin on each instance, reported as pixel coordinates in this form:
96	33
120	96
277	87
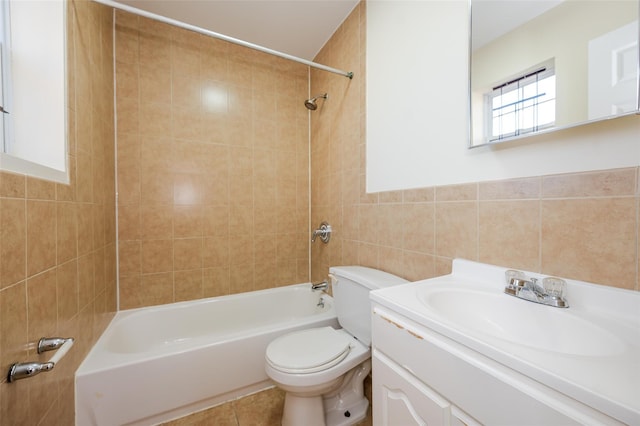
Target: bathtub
163	362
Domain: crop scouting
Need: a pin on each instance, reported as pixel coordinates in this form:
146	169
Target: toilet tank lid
368	277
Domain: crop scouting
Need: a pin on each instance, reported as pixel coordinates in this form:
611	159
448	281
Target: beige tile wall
213	155
582	226
57	242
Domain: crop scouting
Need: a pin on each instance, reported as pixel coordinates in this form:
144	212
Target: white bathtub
159	363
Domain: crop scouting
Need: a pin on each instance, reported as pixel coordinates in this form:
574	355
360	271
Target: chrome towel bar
24	370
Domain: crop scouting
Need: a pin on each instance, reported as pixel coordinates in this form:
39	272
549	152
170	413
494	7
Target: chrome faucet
324	232
551	292
324	285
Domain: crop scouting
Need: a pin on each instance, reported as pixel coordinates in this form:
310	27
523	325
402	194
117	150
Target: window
34	88
522	105
5	73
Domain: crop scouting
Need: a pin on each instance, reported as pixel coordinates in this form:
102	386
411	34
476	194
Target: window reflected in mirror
521	105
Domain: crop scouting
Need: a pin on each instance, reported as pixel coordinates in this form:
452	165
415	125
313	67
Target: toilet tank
351	286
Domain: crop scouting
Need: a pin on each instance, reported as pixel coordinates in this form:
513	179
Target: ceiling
297	27
301	27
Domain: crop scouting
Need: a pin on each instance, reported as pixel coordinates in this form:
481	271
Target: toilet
322	370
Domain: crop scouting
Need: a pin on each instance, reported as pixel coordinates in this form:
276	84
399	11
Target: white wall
417	109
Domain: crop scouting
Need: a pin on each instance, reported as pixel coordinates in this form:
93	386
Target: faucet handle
554	287
511	274
324	232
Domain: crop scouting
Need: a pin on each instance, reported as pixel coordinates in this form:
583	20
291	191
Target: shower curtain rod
213	34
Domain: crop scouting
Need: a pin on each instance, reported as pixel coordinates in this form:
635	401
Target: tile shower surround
60	239
213	158
58	242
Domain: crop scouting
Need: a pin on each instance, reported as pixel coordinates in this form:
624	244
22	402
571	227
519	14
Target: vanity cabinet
423	377
402	399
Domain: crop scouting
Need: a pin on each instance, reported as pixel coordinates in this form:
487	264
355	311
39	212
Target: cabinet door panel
401	400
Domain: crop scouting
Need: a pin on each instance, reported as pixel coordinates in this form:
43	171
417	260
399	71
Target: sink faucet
531	285
551	292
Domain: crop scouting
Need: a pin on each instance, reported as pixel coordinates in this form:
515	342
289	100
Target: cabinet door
460	418
399	399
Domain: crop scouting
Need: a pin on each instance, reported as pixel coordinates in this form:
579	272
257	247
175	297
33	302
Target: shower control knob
324	232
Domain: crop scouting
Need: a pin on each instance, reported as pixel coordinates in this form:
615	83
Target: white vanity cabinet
421	377
400	398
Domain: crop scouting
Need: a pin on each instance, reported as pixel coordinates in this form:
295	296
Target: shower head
311	103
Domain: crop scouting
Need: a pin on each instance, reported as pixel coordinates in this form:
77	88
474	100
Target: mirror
544	65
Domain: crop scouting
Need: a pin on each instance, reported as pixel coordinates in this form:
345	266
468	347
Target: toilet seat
308	351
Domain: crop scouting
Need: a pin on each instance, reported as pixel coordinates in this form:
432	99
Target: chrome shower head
311	103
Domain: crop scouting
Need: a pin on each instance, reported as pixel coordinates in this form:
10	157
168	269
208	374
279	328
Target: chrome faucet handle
324	232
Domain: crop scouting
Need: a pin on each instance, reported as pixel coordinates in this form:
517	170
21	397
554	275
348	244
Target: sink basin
491	312
589	352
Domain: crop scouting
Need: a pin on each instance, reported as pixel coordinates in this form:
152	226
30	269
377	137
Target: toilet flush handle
332	280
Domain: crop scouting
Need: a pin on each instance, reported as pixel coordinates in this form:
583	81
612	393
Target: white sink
589	351
491	312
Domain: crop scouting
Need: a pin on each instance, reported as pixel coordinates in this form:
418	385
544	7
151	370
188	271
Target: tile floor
260	409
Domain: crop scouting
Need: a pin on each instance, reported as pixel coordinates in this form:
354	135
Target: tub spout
320	286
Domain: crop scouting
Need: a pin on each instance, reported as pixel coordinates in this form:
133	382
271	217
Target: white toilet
322	369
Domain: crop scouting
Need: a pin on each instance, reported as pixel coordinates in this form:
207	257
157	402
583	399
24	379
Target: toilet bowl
322	370
317	364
